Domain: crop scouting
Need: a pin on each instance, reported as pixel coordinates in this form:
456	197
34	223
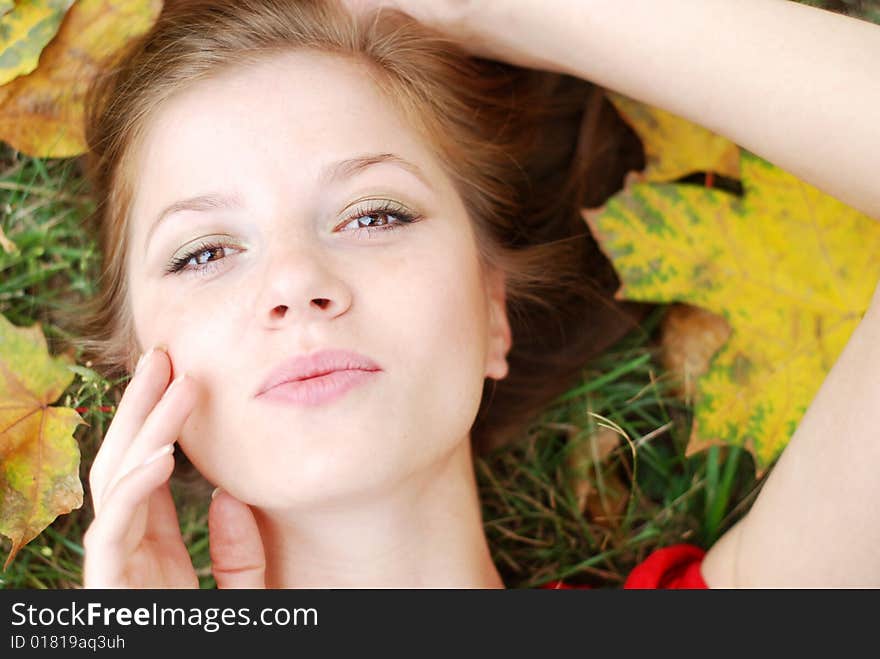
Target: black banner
421	621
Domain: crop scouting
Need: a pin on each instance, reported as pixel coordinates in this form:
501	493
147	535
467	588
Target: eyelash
404	218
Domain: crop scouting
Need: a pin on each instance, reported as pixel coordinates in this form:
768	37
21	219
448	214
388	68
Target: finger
140	397
113	534
164	423
163	525
237	556
163	426
163	530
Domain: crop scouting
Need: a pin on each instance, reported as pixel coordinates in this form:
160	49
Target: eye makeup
372	217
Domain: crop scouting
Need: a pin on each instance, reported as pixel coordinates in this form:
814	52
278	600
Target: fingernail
165	450
172	385
215	493
146	356
137	369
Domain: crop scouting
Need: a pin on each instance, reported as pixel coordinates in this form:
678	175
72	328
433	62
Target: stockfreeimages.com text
209	619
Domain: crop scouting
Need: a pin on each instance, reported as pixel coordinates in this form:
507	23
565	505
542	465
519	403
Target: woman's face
298	153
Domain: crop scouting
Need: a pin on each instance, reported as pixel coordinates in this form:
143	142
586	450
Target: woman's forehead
297	117
297	106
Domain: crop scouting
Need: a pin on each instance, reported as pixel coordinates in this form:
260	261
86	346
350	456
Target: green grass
645	494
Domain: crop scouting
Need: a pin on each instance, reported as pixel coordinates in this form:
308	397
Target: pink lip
317	378
318	390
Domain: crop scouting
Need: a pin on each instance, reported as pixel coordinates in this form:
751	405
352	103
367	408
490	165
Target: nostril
281	309
321	302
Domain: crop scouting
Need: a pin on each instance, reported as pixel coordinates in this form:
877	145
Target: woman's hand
134	540
514	32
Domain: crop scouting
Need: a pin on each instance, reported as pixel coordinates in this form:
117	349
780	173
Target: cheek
198	336
456	306
454	320
444	338
192	333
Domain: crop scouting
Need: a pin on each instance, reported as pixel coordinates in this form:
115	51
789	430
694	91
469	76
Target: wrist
545	35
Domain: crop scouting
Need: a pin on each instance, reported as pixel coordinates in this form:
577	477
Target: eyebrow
336	171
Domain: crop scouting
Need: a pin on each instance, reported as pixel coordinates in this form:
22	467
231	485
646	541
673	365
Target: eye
202	258
380	216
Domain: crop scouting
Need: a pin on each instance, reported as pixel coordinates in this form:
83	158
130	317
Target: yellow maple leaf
675	147
41	114
39	458
25	29
791	270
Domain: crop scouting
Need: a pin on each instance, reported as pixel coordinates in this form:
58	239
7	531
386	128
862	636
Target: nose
303	285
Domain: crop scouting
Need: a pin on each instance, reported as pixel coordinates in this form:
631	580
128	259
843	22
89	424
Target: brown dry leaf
608	510
41	114
690	338
584	456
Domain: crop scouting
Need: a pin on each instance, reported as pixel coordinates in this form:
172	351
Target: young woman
343	234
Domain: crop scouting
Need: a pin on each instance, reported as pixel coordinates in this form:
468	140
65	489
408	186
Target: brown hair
526	151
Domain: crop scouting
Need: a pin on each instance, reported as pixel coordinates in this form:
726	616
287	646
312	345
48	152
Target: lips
314	366
319	390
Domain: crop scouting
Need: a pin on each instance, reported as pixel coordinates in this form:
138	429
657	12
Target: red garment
677	566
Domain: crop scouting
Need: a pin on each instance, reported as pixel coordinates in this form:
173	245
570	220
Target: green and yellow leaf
675	147
789	268
25	29
39	458
41	114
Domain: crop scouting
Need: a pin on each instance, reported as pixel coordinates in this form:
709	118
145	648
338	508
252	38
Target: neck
425	532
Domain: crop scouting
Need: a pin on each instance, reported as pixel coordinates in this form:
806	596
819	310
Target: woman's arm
794	84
